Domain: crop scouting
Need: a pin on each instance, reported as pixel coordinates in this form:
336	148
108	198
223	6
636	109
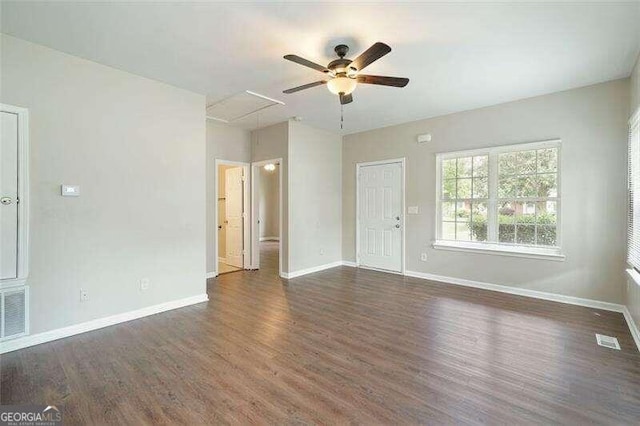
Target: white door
233	210
380	216
8	196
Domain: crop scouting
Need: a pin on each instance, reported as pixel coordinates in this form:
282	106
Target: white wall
592	123
632	293
224	143
269	203
136	147
315	196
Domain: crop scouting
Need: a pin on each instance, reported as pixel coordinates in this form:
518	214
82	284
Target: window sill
501	250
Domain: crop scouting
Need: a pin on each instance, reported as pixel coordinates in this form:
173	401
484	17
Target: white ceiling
458	56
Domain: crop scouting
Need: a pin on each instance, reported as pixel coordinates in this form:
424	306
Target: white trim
48	336
222	259
311	270
349	263
269	238
402	162
246	226
633	328
23	196
501	250
212	274
255	226
571	300
492	197
635	118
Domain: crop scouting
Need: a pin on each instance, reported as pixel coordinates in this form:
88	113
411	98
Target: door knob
6	200
397	217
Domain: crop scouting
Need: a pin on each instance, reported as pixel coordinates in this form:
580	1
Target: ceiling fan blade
302	61
382	80
305	86
346	99
375	52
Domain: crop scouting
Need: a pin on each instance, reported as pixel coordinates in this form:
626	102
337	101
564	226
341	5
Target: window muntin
505	195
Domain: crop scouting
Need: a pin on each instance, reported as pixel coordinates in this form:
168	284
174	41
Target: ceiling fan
344	74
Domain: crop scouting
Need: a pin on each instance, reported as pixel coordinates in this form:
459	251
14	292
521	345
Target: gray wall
632	294
136	147
223	143
270	143
269	204
592	123
315	161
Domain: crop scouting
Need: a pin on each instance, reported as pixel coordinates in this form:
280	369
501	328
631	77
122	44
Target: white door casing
380	215
234	196
9	196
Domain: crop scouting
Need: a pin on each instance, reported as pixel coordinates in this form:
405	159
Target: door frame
402	162
246	211
23	196
255	229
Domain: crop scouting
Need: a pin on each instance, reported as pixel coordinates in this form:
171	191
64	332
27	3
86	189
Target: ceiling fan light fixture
270	167
344	85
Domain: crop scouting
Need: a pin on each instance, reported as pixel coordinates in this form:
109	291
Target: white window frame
494	247
634	124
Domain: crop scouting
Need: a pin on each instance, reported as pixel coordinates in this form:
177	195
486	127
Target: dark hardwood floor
339	346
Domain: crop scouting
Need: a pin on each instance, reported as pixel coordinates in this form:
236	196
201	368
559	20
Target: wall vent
607	341
14	312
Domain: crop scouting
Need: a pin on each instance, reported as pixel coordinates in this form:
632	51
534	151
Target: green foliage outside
518	228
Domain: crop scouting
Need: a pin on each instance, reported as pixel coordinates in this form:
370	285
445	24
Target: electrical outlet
423	257
84	295
322	252
145	283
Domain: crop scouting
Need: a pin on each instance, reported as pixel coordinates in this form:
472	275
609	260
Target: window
504	199
633	240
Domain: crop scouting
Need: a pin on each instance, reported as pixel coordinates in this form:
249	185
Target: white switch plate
70	190
412	210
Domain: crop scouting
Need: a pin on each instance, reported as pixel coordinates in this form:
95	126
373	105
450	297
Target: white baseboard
635	332
48	336
212	274
302	272
596	304
269	238
349	263
222	259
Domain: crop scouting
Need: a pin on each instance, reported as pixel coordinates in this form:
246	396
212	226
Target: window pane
464	167
449	189
480	188
507	187
526	186
462	231
449	230
506	212
525	212
449	169
547	235
464	188
479	221
547	185
546	213
449	211
526	162
481	166
547	160
463	211
506	233
525	234
507	164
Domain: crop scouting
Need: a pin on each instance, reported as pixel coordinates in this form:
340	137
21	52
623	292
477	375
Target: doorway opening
267	214
232	218
380	219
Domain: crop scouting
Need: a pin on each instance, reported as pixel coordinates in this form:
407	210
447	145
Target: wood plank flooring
339	346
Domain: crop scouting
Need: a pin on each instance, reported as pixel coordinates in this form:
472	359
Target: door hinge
244	215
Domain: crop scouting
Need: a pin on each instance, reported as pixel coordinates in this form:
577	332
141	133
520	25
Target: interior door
8	196
234	194
380	216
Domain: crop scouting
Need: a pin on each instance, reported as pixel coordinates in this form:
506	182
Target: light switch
412	210
70	190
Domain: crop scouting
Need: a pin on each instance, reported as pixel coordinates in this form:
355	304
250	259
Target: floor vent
14	304
608	341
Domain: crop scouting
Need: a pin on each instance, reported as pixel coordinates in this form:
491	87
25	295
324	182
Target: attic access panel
240	105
